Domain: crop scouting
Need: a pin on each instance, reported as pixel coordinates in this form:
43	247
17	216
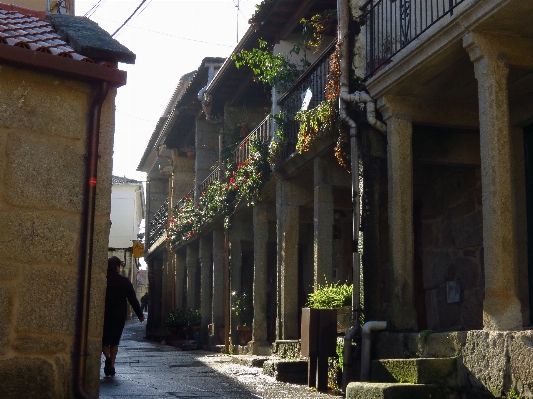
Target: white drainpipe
363	97
206	100
357	97
365	346
210	76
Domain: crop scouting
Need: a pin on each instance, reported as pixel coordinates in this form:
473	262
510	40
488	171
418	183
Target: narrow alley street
148	370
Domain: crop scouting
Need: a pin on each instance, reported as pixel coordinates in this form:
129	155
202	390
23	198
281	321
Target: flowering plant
248	178
185	221
244	182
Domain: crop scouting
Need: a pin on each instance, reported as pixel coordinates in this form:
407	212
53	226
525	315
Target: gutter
79	357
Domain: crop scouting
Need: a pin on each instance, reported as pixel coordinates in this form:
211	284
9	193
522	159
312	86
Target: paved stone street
148	370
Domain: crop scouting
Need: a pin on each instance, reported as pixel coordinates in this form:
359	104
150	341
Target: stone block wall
489	364
42	145
450	244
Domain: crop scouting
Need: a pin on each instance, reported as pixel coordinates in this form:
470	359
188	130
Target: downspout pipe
365	346
354	332
86	242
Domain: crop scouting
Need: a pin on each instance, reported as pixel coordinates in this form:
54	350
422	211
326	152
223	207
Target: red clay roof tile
20	27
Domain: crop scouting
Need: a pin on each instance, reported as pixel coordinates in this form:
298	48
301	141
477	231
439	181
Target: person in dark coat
118	293
145	299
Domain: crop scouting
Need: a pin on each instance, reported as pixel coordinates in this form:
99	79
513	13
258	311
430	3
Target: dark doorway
528	146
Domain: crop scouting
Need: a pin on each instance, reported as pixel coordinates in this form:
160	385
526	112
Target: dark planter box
319	332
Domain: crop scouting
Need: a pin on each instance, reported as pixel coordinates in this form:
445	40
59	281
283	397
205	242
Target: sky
170	38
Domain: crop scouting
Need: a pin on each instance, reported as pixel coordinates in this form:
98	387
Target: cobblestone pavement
148	370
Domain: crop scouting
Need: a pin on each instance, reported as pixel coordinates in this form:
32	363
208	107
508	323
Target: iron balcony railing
182	201
158	224
392	24
240	154
307	92
261	133
215	175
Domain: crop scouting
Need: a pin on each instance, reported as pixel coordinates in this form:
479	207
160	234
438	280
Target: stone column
206	269
259	326
155	296
287	210
235	270
180	275
401	235
218	284
501	308
192	264
322	222
165	305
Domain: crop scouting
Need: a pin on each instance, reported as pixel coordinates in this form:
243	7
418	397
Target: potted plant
334	296
242	308
190	151
183	322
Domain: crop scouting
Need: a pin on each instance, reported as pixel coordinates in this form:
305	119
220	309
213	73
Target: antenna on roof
237	6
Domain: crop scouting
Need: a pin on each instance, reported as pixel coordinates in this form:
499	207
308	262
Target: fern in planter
330	296
182	317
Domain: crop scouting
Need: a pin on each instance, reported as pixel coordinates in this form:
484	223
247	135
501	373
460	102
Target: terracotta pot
222	335
245	334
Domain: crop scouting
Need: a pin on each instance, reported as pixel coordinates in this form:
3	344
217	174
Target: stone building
435	97
127	212
57	93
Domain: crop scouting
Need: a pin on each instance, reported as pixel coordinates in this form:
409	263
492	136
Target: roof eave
62	66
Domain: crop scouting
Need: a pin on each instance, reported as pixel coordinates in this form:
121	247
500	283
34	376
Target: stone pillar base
260	348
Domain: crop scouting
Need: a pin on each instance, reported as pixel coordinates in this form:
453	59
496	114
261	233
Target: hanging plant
315	28
278	141
273	69
248	178
321	119
185	222
324	118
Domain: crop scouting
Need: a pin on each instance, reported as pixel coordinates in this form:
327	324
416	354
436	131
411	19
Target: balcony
261	134
392	24
158	224
309	87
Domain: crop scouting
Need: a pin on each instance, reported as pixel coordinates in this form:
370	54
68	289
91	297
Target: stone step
250	360
381	390
437	371
292	371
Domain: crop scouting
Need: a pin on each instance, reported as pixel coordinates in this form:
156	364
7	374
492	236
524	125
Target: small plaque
453	292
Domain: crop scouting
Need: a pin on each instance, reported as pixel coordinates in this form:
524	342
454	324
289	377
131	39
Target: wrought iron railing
261	133
158	224
182	201
306	93
215	175
392	24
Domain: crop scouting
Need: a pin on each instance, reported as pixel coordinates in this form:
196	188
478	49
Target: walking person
145	299
118	293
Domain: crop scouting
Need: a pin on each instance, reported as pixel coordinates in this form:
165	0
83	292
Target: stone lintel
516	50
428	111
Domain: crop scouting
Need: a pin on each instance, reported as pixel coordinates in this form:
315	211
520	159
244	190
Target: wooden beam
295	18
